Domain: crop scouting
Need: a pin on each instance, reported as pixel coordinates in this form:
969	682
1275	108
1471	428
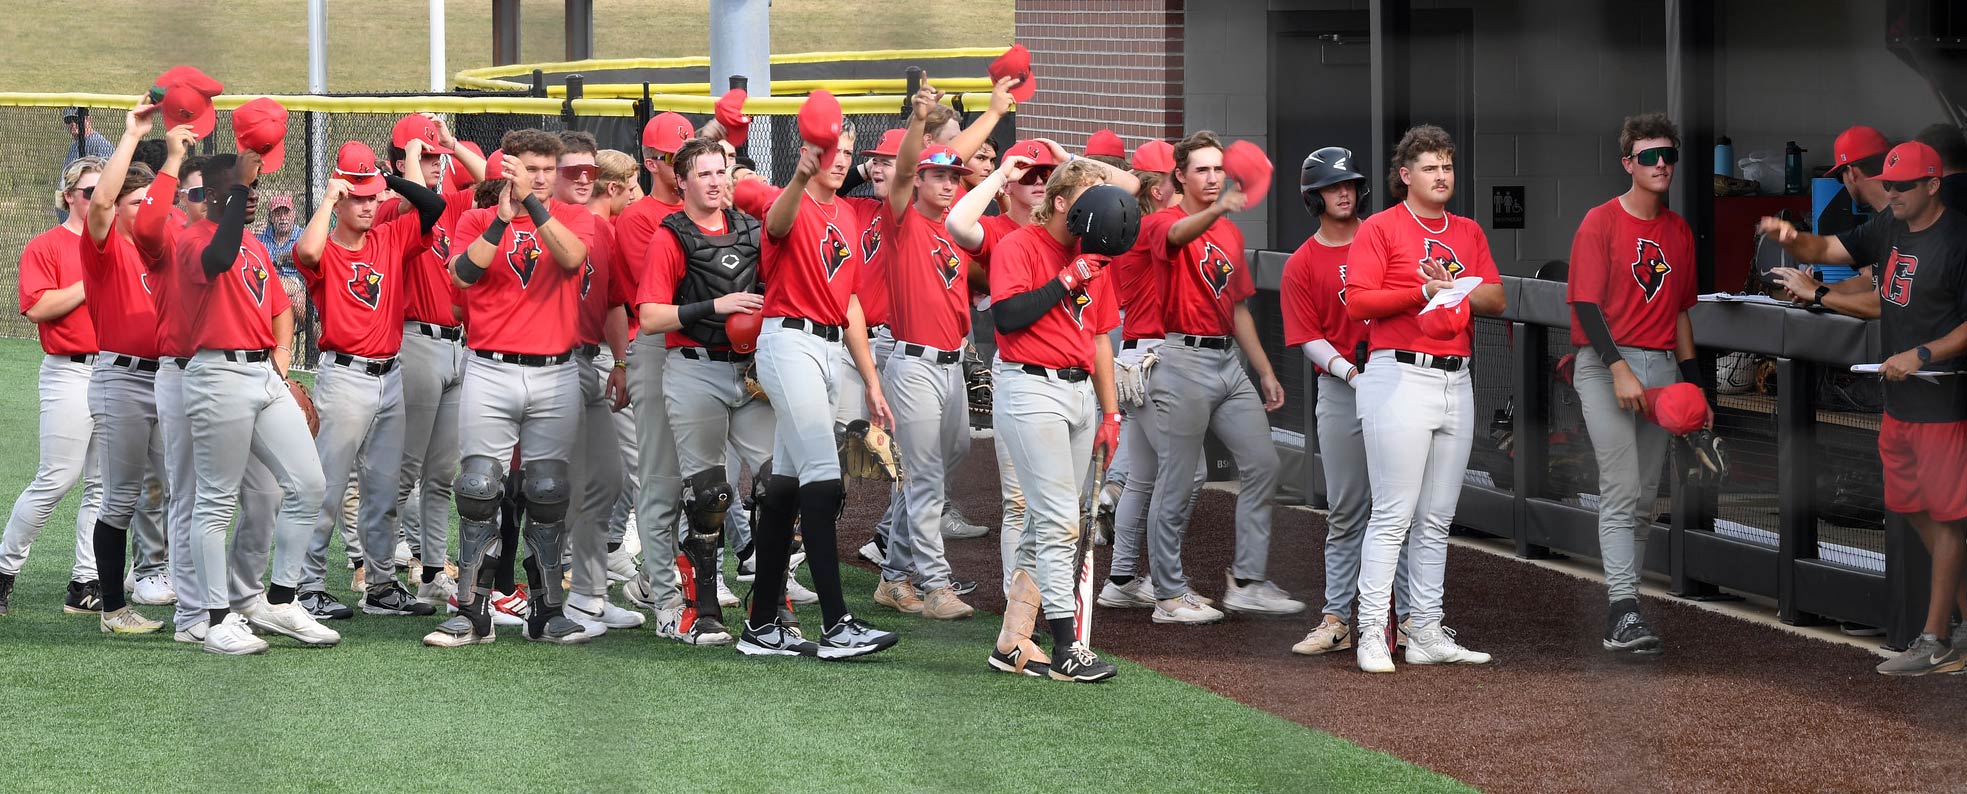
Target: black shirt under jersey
1922	296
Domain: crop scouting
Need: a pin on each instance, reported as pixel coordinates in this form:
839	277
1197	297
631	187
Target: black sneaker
963	587
853	637
1626	632
773	639
1008	663
390	598
707	631
6	591
323	606
1078	663
84	598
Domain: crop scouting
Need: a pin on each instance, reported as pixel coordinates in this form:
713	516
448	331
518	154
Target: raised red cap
730	114
260	125
187	99
819	120
1854	144
1034	150
1015	62
1246	163
418	126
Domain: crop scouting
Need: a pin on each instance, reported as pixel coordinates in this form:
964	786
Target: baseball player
809	269
1315	321
51	296
703	270
1921	302
597	468
615	188
1416	406
520	280
1053	310
355	274
1632	282
1199	385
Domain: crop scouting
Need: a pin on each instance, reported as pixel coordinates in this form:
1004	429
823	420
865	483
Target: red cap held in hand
1039	154
260	125
418	126
730	114
1015	62
1854	144
742	328
1156	157
1447	322
1678	408
356	164
667	131
819	121
1105	143
1246	163
187	99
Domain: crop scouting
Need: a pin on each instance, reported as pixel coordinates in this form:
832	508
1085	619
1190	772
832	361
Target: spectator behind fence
83	141
279	237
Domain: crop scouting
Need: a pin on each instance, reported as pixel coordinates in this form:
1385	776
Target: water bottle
1724	157
1792	169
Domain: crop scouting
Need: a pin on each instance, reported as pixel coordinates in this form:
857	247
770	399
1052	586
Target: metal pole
438	80
317	83
580	30
741	44
505	32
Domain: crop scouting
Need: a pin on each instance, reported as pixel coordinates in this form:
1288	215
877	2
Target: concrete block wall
1115	64
1228	88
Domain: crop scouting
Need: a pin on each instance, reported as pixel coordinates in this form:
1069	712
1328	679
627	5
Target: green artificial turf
86	711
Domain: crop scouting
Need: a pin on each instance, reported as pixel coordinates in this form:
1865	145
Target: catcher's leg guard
707	496
1021	608
548	490
479	491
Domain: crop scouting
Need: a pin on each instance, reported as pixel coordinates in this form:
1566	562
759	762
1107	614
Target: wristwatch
1925	354
1818	298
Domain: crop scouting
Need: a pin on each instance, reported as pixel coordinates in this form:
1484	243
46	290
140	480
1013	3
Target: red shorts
1925	467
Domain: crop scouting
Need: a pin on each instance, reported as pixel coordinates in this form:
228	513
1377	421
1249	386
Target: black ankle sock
279	594
1245	582
614	547
502	574
773	536
508	552
1121	581
535	581
430	573
112	545
218	615
819	510
1062	634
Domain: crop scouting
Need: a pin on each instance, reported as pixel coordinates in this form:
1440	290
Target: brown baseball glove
305	400
752	388
867	452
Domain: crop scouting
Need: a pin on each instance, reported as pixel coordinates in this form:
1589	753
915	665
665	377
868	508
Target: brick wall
1113	64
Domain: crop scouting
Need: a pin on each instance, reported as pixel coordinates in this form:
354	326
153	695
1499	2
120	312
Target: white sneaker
510	610
1435	644
669	622
1260	598
231	637
193	634
1132	595
1187	610
871	552
584	609
154	591
955	526
290	620
439	591
798	592
725	598
1372	655
637	592
621	561
1332	634
401	556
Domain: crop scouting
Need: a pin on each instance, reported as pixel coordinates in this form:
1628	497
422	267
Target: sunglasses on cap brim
1656	156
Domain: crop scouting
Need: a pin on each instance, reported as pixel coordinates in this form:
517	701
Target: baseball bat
1088	510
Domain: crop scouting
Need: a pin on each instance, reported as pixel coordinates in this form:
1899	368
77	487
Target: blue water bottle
1793	169
1724	157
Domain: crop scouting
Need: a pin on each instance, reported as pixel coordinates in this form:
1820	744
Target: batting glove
1082	271
1107	441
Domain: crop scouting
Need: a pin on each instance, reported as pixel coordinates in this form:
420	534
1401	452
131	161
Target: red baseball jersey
1313	300
872	286
156	235
995	228
596	296
1640	273
427	269
525	302
813	269
229	311
118	288
1386	256
928	283
52	261
1063	337
362	292
1202	281
1139	284
662	275
634	229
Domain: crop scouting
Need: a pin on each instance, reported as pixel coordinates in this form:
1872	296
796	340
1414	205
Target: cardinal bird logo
1075	304
440	243
366	285
1341	285
1439	253
1215	268
253	273
948	264
833	250
524	256
1896	289
871	240
1650	268
587	276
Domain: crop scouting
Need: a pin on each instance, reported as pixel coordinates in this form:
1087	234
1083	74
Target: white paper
1729	297
1453	295
1930	376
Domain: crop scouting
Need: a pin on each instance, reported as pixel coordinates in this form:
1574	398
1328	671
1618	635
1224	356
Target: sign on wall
1506	207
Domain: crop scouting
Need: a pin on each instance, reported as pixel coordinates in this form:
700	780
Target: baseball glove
867	452
976	379
1130	380
305	400
752	389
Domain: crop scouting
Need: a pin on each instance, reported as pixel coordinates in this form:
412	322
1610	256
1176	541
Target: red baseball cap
743	328
730	114
494	164
1678	408
187	98
1854	144
1036	151
355	163
1909	160
667	132
260	125
1155	156
1104	142
455	176
415	126
891	144
940	156
1246	163
1446	322
1015	62
819	120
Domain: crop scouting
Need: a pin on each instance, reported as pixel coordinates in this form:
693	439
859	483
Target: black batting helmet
1324	168
1106	218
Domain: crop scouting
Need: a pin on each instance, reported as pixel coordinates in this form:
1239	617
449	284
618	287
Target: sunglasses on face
195	195
1035	176
1656	156
1905	186
88	193
580	173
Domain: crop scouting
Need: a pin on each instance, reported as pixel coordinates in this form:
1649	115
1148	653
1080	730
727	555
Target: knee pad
548	489
479	487
707	496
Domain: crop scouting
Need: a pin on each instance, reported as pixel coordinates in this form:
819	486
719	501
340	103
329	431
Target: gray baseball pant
1195	390
1136	463
597	474
931	404
624	421
1048	427
67	458
433	376
661	481
716	424
1349	500
506	406
362	421
1418	424
259	503
881	343
1630	452
129	450
799	369
1010	495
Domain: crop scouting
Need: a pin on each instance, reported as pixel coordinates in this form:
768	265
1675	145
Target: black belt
245	356
1131	344
588	351
1443	363
1208	342
526	359
376	368
702	353
1069	374
83	358
830	333
132	362
939	356
447	332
